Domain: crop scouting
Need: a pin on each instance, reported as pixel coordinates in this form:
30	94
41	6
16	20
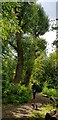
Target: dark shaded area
52	115
23	118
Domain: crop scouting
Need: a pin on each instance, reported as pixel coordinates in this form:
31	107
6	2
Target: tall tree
20	19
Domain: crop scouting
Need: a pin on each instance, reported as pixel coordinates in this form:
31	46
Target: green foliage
8	67
39	68
49	91
51	70
28	47
15	94
30	20
24	18
46	69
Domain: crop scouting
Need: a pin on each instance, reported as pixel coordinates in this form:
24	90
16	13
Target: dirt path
26	110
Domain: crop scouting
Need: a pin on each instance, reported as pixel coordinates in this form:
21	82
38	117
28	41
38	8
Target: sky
50	9
47	0
57	9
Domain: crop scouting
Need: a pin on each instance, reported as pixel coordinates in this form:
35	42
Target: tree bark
19	68
27	76
29	70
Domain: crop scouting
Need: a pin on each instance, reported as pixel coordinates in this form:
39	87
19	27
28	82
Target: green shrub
49	91
15	93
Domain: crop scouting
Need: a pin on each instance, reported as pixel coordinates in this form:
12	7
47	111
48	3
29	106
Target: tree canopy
21	19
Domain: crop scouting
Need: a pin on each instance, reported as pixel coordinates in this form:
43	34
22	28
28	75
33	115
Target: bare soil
26	110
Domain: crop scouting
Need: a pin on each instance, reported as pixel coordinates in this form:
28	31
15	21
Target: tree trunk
29	70
27	77
19	68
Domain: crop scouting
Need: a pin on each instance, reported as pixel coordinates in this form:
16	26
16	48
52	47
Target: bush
15	93
50	91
